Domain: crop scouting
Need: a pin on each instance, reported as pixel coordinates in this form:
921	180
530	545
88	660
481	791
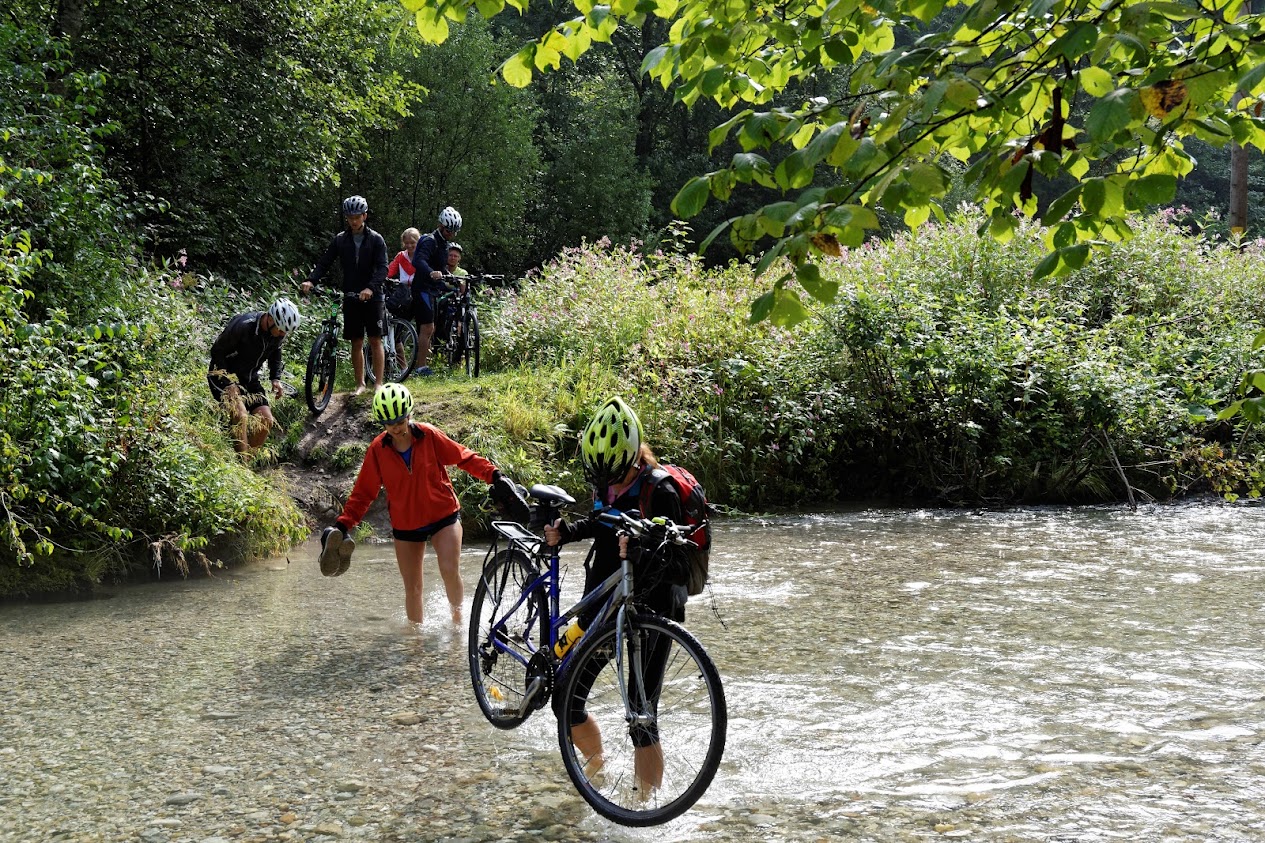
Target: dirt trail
328	454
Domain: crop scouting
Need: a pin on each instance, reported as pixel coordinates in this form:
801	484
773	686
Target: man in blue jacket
362	253
432	252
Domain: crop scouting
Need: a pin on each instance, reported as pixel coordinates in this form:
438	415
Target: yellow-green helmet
392	403
610	442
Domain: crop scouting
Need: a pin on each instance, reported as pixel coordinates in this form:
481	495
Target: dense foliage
105	462
944	374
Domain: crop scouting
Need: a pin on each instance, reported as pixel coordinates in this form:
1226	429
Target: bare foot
360	390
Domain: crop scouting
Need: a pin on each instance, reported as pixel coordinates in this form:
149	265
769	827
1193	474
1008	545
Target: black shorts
362	317
424	534
252	393
424	307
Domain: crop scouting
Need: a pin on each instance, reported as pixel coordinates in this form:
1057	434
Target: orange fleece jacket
417	495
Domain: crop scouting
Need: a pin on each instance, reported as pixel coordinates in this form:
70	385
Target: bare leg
260	426
358	363
375	349
447	544
587	737
409	555
425	333
648	766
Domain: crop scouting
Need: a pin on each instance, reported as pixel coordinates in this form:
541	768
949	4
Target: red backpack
697	512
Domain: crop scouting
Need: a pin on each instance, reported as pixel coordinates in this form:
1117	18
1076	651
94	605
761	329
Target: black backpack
697	512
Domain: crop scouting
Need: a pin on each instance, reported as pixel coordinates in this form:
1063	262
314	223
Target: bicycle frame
615	591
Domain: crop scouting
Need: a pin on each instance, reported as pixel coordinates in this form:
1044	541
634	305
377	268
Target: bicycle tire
405	358
472	345
456	347
690	719
318	383
498	678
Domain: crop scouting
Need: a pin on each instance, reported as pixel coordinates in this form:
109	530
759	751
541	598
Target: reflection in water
1039	674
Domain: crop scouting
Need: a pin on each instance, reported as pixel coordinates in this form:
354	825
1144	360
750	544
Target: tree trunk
69	19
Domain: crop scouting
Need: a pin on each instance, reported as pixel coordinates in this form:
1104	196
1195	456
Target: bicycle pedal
533	691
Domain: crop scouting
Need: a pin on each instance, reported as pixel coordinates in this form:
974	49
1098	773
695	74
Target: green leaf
1252	83
809	277
1074	257
1077	41
1111	114
432	24
762	307
690	200
788	310
1096	81
1047	265
517	70
1258	341
1059	207
1155	189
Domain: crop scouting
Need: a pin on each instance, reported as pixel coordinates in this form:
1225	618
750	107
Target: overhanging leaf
1111	114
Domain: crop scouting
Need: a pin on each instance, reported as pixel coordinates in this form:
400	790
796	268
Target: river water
1030	675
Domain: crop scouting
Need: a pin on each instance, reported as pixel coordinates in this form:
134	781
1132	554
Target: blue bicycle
646	683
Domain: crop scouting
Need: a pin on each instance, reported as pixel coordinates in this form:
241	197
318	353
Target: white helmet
450	219
285	314
355	205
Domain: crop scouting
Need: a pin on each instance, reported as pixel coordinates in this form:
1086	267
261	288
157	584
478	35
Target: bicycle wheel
472	346
677	738
504	635
318	384
403	358
456	347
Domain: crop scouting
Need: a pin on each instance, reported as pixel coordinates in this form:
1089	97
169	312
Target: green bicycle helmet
392	403
610	442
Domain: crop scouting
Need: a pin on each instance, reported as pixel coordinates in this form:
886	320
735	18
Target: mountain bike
646	682
322	362
399	349
459	331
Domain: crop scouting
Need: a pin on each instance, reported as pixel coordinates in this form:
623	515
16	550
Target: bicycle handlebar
638	527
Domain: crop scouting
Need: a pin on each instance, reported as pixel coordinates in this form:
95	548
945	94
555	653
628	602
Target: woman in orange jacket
409	460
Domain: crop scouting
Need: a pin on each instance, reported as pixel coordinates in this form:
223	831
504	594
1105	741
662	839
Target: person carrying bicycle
430	263
409	460
362	253
238	353
617	460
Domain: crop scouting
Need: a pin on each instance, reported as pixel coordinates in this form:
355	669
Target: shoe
335	552
344	555
424	372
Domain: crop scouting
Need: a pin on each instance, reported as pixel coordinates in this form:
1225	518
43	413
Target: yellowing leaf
1162	97
827	244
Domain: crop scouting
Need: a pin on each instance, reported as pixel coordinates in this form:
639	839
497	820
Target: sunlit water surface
1044	674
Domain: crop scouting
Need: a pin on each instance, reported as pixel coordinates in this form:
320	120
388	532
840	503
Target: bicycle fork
628	645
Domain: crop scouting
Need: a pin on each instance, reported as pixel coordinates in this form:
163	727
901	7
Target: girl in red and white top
401	265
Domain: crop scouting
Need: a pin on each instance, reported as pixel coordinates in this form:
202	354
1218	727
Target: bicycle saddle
550	494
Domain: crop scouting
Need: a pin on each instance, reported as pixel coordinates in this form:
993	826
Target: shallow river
1047	675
